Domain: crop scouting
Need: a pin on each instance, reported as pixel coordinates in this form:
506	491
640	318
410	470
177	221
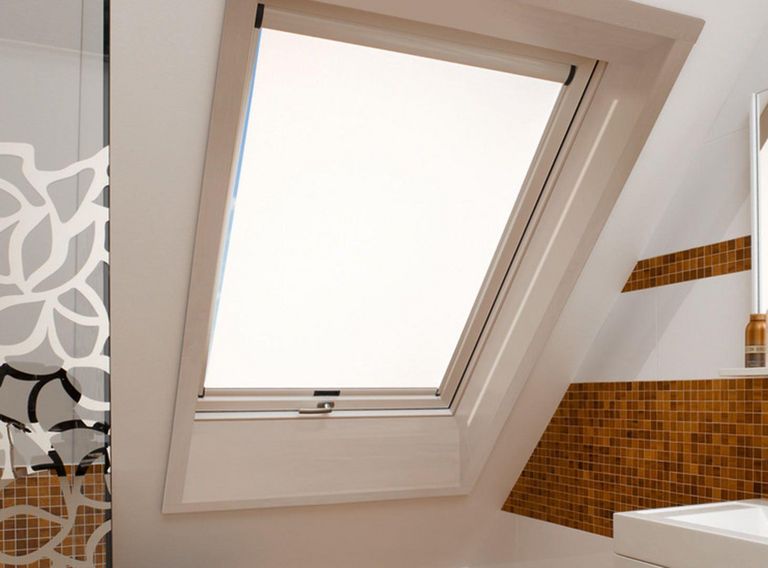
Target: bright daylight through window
373	190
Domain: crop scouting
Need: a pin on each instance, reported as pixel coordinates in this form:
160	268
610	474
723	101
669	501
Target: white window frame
230	104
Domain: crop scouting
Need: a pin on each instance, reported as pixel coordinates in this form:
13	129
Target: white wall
536	544
686	330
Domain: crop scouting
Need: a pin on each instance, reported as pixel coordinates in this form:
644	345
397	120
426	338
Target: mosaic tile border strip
725	257
613	447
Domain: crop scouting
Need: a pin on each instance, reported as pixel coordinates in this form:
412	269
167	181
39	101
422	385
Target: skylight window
373	191
381	186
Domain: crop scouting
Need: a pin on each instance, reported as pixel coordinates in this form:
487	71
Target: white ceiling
701	107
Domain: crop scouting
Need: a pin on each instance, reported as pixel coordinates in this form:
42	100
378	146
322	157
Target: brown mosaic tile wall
24	534
613	447
700	262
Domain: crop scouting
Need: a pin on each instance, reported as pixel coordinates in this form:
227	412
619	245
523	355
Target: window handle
322	408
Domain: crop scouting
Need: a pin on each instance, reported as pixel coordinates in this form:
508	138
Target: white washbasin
716	535
743	518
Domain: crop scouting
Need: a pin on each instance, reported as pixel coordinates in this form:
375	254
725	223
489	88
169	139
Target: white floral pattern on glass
42	290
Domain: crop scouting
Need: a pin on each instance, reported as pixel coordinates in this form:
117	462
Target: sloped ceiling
469	531
713	200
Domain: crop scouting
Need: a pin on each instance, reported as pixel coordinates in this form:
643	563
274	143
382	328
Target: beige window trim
642	51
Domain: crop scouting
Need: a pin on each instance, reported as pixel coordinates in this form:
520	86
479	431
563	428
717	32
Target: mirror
759	197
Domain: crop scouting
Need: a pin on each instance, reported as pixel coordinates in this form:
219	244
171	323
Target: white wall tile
687	330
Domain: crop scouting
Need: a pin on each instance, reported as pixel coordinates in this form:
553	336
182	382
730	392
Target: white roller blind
373	190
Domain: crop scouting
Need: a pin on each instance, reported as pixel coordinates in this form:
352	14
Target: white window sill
265	463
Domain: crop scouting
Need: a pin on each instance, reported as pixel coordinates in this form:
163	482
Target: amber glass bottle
754	341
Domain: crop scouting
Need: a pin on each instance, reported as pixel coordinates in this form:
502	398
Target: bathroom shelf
744	372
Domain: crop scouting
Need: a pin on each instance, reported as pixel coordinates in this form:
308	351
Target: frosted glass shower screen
54	322
374	187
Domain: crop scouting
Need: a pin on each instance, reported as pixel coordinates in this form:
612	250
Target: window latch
322	408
